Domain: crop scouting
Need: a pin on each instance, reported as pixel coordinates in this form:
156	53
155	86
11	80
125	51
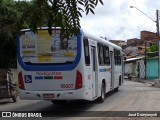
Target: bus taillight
78	80
20	80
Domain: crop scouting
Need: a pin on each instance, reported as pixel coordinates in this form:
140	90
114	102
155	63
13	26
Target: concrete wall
136	68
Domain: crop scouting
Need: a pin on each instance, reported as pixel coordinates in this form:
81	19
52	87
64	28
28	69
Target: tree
154	48
16	15
151	51
7	34
58	13
10	24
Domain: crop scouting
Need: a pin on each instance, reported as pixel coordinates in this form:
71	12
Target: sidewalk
142	80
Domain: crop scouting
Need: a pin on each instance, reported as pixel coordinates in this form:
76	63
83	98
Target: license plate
47	96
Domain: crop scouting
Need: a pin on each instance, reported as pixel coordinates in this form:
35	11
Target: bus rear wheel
116	89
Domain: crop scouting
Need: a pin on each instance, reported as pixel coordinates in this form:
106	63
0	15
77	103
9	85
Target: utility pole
157	25
145	61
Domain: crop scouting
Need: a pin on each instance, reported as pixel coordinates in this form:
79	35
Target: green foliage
148	50
16	15
58	13
10	24
7	49
154	48
152	51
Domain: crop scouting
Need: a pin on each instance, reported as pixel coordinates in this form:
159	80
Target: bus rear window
43	48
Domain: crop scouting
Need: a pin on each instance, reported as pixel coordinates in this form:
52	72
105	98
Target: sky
115	20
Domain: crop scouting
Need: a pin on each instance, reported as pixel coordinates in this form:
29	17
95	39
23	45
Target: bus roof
101	40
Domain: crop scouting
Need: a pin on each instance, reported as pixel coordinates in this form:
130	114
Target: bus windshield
42	48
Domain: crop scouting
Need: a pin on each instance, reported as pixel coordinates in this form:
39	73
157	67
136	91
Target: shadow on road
2	101
76	108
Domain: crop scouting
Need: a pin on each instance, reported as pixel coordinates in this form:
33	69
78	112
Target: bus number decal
66	85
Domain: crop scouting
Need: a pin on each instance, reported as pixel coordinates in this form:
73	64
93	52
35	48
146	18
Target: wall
152	69
136	68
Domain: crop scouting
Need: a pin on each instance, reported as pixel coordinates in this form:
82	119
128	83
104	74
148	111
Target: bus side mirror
124	58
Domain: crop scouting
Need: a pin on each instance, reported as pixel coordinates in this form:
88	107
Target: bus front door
94	77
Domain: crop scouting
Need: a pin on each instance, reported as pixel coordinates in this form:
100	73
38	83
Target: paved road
132	96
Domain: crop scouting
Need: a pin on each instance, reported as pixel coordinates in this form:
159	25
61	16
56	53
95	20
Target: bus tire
120	81
59	102
116	89
102	97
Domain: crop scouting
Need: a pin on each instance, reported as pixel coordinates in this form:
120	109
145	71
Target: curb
142	81
154	83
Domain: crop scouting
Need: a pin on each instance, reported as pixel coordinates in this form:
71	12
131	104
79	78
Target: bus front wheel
102	97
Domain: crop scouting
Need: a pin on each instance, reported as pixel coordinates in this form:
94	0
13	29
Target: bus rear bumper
53	95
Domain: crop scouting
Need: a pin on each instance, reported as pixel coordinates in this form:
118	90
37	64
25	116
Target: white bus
82	67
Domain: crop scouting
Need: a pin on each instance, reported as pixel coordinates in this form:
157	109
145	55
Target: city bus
81	67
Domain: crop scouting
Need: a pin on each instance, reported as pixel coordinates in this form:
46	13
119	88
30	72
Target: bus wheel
59	102
120	81
102	97
116	89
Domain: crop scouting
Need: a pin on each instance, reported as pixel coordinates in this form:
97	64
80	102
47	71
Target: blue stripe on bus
38	77
52	68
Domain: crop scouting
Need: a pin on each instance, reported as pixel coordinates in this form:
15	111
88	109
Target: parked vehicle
128	76
7	87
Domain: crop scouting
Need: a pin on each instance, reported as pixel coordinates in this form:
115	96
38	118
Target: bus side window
106	55
100	54
98	51
119	57
115	57
86	51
